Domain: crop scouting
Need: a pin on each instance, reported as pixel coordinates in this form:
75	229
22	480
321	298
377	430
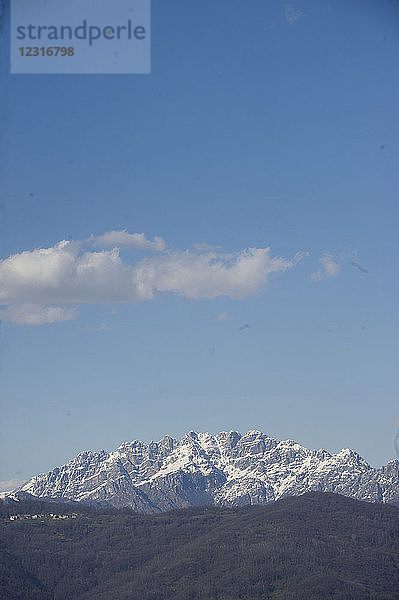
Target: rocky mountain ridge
227	469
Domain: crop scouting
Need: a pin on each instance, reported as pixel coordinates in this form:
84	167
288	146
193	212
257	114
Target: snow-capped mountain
224	469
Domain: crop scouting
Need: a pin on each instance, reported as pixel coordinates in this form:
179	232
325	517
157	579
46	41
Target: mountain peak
224	469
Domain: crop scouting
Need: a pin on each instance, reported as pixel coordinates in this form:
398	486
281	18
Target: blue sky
262	125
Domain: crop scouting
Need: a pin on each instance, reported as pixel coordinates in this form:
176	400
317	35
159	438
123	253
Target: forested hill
299	548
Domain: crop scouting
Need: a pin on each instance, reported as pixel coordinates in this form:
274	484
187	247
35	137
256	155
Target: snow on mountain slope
225	469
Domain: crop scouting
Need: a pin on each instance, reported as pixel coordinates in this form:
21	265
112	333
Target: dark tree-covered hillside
305	548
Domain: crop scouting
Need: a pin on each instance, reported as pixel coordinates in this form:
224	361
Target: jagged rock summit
227	469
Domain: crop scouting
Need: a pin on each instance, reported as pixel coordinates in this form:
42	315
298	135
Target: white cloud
211	274
204	247
37	314
123	239
44	285
291	14
329	268
62	274
11	484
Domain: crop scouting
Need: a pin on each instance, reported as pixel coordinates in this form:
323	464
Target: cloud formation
291	14
11	484
211	274
37	314
123	239
44	285
329	268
